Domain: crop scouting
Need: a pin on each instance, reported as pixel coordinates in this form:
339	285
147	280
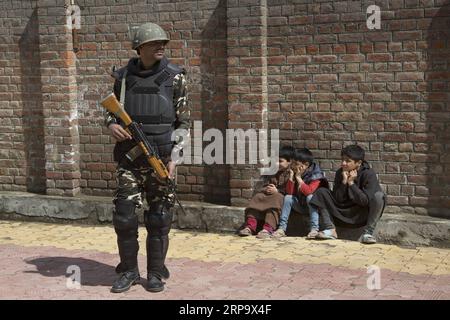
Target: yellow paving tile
226	247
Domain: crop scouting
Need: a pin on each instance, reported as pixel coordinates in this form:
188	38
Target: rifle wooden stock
111	104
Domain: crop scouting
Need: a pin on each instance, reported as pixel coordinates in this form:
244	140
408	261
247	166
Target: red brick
324	59
350	96
325	78
378	36
276	60
380	77
394	156
407	35
352	58
351	37
239	184
293	20
325	38
276	21
322	116
397	200
365	136
392	178
95	166
417	179
326	18
382	96
377	57
351	77
409	76
298	59
97	184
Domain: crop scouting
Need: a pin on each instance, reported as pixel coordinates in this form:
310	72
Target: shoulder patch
175	69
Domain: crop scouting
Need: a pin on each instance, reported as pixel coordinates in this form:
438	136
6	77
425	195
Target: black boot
125	281
125	223
156	269
120	268
158	226
165	273
126	226
154	283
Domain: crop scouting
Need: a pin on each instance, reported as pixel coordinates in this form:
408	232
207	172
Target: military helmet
148	32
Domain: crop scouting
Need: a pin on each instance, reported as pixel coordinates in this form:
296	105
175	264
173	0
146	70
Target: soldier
153	92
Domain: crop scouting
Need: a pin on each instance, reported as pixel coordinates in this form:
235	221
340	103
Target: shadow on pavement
92	273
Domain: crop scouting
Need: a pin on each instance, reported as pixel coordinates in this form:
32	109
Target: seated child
305	177
357	199
265	206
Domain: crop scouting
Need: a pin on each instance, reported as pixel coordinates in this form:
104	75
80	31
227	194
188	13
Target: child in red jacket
304	179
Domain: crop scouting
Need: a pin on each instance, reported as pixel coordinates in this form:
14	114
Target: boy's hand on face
291	174
298	176
302	169
345	175
352	176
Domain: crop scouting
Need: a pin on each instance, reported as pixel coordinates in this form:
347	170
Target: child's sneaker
279	233
312	234
368	239
263	234
245	232
329	234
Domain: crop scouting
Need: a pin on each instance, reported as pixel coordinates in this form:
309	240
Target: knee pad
159	207
125	220
158	223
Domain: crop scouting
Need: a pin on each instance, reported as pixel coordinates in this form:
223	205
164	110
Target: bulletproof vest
149	101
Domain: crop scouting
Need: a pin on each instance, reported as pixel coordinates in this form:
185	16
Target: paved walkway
39	260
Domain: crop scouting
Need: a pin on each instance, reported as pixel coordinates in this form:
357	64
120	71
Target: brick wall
309	68
333	82
21	114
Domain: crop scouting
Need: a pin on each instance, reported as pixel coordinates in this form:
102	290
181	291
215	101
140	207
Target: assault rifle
111	104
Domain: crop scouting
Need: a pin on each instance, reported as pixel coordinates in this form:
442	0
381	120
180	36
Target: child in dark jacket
305	178
357	199
265	206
